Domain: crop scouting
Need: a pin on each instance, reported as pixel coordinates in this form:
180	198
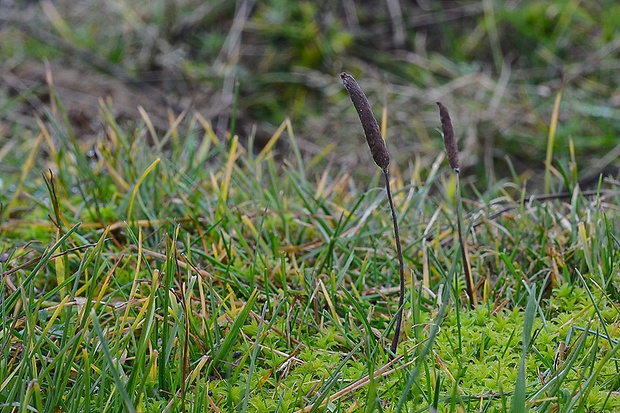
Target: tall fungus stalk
381	156
453	158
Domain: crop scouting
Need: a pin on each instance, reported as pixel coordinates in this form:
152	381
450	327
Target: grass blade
518	399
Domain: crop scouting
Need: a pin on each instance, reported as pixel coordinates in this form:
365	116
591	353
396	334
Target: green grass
158	264
193	275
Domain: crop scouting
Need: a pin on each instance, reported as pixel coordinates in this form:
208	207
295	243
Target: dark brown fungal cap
448	137
377	145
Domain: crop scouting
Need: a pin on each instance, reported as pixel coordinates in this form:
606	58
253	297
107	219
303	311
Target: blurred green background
497	65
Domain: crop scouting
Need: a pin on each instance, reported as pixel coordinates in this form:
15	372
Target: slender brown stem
469	282
401	266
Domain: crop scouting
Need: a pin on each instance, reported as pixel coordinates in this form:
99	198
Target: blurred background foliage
497	65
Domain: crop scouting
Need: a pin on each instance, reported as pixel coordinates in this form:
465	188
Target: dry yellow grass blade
330	304
267	150
320	156
48	138
57	20
206	125
551	139
174	122
30	161
233	154
149	124
137	186
250	226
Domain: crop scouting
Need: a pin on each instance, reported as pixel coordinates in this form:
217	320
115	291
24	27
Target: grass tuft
241	282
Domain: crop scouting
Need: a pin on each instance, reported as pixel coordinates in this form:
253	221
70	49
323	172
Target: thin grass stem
401	266
469	282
